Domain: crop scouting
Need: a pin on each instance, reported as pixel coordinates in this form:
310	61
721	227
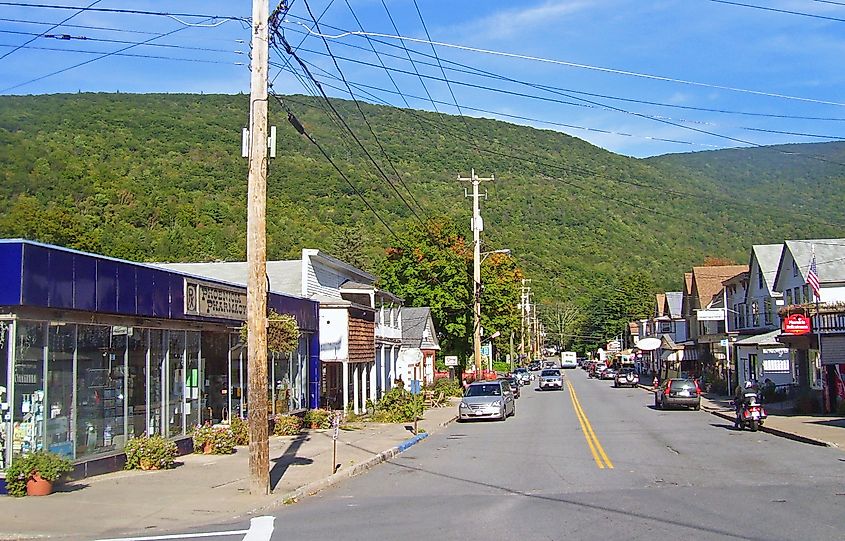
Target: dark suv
678	392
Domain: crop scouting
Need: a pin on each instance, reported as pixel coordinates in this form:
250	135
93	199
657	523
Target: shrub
49	466
448	386
219	440
240	430
502	367
286	425
398	406
150	453
318	419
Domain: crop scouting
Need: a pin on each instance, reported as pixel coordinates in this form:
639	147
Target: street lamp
479	256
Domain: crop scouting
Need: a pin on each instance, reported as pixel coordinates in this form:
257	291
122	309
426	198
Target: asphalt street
587	462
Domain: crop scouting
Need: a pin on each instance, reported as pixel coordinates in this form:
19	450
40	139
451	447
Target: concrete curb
774	431
764	428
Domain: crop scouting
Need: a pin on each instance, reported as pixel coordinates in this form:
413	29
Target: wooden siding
362	339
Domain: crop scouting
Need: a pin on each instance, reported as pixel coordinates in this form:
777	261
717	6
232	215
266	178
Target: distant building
418	332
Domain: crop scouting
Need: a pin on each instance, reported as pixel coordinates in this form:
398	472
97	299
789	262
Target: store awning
765	339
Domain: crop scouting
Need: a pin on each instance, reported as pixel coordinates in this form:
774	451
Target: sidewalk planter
214	440
34	474
150	453
240	430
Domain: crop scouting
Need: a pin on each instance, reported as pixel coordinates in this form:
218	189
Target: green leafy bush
318	419
150	453
287	425
215	440
49	466
398	406
502	366
448	386
240	430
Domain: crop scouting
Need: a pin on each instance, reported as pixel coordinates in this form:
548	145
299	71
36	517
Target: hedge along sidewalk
205	489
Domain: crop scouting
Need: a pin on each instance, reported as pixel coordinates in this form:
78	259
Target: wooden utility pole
256	255
477	228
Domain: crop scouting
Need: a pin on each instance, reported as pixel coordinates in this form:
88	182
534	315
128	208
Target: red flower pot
37	486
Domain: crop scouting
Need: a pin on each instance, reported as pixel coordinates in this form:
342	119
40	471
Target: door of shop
5	400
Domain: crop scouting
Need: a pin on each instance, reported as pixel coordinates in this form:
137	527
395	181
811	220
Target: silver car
487	400
550	379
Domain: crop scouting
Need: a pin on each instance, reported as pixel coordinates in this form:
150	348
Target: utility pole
256	255
477	228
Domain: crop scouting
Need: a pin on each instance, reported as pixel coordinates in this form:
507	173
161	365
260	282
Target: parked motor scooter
751	413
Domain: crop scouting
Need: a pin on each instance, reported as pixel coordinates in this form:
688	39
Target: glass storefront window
281	382
158	360
28	407
59	398
136	389
5	407
100	374
176	384
193	379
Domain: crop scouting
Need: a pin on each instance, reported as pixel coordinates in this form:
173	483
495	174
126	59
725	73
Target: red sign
796	324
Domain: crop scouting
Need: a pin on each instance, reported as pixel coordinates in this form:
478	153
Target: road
641	474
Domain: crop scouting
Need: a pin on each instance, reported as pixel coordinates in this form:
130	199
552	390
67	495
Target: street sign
451	360
723	342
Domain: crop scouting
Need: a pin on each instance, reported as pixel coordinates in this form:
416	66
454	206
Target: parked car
596	369
487	399
550	379
678	392
515	385
549	365
626	377
534	366
522	375
608	373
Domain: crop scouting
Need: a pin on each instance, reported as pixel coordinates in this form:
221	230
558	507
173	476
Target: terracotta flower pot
208	448
147	464
37	486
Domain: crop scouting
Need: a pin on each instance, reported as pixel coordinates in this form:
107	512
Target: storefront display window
280	372
176	384
59	397
28	407
5	406
157	368
193	378
299	375
136	387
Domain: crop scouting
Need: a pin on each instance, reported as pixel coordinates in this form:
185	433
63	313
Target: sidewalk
826	430
207	489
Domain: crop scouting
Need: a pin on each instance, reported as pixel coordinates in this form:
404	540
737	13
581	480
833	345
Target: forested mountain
160	177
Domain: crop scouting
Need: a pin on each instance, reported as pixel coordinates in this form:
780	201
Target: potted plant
317	419
214	440
150	453
240	430
33	474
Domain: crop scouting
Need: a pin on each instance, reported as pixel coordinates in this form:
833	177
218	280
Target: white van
568	359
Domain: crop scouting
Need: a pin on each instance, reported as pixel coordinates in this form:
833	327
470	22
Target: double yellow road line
602	461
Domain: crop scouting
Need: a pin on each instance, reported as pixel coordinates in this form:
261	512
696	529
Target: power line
581	66
135	12
19	47
131	55
787	11
113	53
67	37
485	73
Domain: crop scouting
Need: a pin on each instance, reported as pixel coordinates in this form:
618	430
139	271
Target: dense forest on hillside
160	178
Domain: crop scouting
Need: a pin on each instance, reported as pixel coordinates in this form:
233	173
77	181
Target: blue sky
719	46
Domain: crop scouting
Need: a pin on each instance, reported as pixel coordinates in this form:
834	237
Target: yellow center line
601	458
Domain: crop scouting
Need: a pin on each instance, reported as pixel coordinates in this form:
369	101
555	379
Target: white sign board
211	300
713	314
451	360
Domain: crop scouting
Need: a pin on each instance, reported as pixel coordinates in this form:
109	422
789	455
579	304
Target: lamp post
476	307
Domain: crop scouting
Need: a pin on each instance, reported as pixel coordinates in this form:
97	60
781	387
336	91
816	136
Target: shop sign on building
713	314
796	324
204	299
451	360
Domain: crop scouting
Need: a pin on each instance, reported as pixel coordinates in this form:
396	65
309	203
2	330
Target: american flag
813	277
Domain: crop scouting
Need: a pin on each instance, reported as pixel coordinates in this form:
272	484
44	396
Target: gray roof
413	325
674	300
830	258
768	258
285	276
765	339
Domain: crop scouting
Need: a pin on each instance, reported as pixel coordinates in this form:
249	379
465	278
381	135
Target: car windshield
681	384
519	370
626	371
487	389
550	373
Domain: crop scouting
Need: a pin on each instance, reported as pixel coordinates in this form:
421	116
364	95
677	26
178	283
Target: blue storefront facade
95	351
